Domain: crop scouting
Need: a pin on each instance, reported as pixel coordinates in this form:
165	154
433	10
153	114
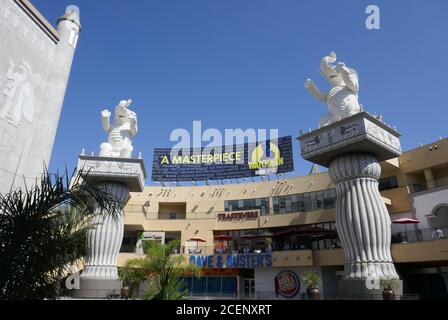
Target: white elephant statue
342	99
120	132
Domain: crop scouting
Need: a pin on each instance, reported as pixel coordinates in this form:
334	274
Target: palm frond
43	231
163	271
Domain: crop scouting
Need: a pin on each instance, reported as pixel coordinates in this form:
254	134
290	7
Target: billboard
225	162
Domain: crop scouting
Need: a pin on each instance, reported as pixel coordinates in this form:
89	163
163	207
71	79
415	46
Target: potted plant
125	290
131	275
312	281
389	285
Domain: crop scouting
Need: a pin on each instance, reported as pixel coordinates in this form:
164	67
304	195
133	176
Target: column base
100	273
350	289
98	289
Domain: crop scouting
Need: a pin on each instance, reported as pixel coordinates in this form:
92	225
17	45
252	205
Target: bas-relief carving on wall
383	136
325	138
19	92
109	166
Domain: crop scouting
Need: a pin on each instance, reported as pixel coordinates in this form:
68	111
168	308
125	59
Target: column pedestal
118	177
362	219
352	149
352	289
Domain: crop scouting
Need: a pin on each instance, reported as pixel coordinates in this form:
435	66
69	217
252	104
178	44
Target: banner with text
226	162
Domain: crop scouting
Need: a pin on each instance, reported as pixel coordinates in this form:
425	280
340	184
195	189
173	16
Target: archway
439	216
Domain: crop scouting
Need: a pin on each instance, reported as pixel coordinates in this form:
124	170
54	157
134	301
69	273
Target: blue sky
242	64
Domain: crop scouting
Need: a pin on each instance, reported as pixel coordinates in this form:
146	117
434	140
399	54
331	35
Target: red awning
223	237
406	221
197	239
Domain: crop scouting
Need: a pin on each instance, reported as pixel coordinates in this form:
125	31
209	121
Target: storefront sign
152	235
287	284
226	162
238	215
250	260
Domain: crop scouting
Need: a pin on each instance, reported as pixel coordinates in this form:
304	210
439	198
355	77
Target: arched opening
439	217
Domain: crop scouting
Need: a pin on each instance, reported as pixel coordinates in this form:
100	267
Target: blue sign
226	162
250	260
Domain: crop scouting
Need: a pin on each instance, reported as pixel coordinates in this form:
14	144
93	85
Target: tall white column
362	219
104	241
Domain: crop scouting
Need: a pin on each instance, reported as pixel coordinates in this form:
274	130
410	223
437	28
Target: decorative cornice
38	19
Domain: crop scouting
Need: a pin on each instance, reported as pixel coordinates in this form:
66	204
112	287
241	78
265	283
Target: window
419	187
261	204
304	202
199	286
211	286
387	183
320	199
187	283
172	215
229	286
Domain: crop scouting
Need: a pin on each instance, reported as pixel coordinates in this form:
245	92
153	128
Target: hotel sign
238	215
225	162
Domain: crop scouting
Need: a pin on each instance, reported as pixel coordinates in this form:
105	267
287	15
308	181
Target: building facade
34	70
256	240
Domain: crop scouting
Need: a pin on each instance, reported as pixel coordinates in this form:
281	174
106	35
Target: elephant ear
352	81
354	72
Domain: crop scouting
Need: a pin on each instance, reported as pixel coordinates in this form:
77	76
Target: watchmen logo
266	162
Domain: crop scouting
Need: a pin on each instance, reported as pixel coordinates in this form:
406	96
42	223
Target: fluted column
104	241
362	219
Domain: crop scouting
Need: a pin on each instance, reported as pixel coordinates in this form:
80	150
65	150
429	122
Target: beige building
247	235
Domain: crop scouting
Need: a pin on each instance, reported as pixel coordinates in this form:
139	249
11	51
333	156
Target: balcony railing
209	250
435	233
418	187
210	215
408	236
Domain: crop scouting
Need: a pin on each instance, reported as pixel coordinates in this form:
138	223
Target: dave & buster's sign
238	215
226	162
249	260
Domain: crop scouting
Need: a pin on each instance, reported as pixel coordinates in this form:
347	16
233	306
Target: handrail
204	215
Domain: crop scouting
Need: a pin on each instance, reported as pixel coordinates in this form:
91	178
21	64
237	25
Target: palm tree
43	231
163	271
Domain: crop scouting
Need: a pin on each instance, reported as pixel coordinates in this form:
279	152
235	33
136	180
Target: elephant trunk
326	65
